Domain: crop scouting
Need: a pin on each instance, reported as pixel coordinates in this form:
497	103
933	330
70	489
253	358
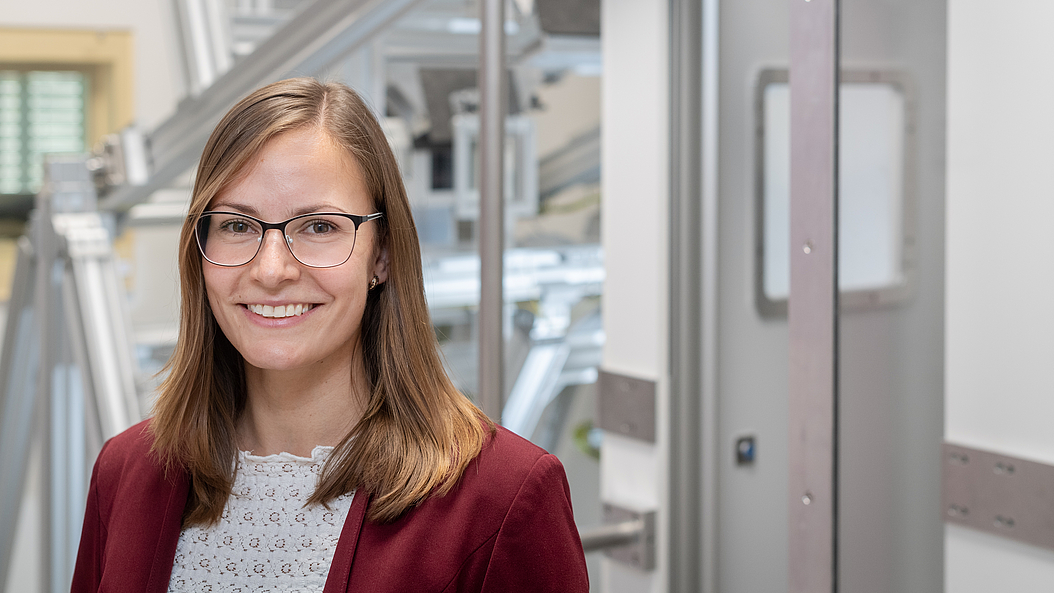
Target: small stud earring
373	283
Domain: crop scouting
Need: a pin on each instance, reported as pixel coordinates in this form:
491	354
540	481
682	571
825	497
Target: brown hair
418	433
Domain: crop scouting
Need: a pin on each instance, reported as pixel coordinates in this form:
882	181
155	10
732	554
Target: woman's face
296	172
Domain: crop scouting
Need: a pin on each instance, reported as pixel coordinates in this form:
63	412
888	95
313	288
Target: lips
278	311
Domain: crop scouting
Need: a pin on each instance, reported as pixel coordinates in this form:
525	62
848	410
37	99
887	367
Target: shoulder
509	472
127	470
133	441
128	451
510	497
478	503
505	450
506	465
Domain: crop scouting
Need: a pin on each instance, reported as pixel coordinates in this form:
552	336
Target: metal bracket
626	405
627	536
999	494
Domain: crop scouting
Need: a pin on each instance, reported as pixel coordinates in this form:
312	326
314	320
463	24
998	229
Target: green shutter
40	112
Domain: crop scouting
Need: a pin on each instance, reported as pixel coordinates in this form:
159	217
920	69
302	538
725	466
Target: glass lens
321	240
228	239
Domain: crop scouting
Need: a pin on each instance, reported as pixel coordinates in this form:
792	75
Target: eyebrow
253	211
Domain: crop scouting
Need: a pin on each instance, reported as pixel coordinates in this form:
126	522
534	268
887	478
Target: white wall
1000	263
635	188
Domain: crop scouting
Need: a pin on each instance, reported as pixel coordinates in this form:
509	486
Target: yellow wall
105	56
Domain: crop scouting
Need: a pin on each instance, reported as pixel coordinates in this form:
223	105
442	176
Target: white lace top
266	540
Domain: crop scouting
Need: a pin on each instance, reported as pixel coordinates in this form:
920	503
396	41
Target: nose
274	262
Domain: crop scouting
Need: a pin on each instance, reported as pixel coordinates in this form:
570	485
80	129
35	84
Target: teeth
280	310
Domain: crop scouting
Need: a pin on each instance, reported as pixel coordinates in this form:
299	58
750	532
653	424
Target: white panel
975	561
618	578
999	319
1000	322
634	185
634	188
629	472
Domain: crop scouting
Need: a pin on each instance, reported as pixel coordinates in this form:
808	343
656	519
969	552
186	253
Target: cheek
208	284
215	286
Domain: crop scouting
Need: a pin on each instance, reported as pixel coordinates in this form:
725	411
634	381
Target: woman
307	437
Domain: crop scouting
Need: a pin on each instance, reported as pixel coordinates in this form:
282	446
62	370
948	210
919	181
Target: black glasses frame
356	219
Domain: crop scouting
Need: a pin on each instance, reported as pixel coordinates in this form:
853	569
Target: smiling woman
309	262
307	436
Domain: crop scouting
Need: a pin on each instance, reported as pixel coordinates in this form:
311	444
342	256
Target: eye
236	226
320	227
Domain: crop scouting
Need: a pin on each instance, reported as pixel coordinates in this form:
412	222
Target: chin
275	360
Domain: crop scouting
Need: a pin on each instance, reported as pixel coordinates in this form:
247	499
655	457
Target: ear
380	263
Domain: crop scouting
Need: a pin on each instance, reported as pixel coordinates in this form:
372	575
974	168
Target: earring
373	283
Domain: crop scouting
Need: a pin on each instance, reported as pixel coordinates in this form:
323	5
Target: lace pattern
266	540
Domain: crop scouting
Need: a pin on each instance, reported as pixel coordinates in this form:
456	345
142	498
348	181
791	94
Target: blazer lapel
168	535
344	555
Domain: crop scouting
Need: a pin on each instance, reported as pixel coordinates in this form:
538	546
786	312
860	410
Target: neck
293	411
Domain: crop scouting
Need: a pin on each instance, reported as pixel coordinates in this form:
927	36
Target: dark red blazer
507	526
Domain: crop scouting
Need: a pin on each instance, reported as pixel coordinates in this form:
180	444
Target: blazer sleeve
537	548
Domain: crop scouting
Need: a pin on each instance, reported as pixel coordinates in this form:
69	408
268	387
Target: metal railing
627	536
612	536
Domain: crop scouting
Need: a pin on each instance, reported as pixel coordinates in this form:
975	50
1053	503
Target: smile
280	310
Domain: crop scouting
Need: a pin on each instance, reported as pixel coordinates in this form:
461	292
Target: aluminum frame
693	463
79	373
685	321
205	35
491	226
520	191
313	39
20	355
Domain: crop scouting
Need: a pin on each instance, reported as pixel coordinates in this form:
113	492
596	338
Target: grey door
890	535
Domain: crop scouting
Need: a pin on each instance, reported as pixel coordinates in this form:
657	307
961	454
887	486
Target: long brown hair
418	433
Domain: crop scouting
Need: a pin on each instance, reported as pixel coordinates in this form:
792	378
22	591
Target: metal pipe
685	323
20	354
46	318
709	454
612	536
491	224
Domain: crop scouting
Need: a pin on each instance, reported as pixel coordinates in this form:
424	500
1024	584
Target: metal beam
685	323
813	302
710	452
19	356
491	226
323	32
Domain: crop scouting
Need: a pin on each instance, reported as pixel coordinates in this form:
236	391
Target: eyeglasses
318	240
